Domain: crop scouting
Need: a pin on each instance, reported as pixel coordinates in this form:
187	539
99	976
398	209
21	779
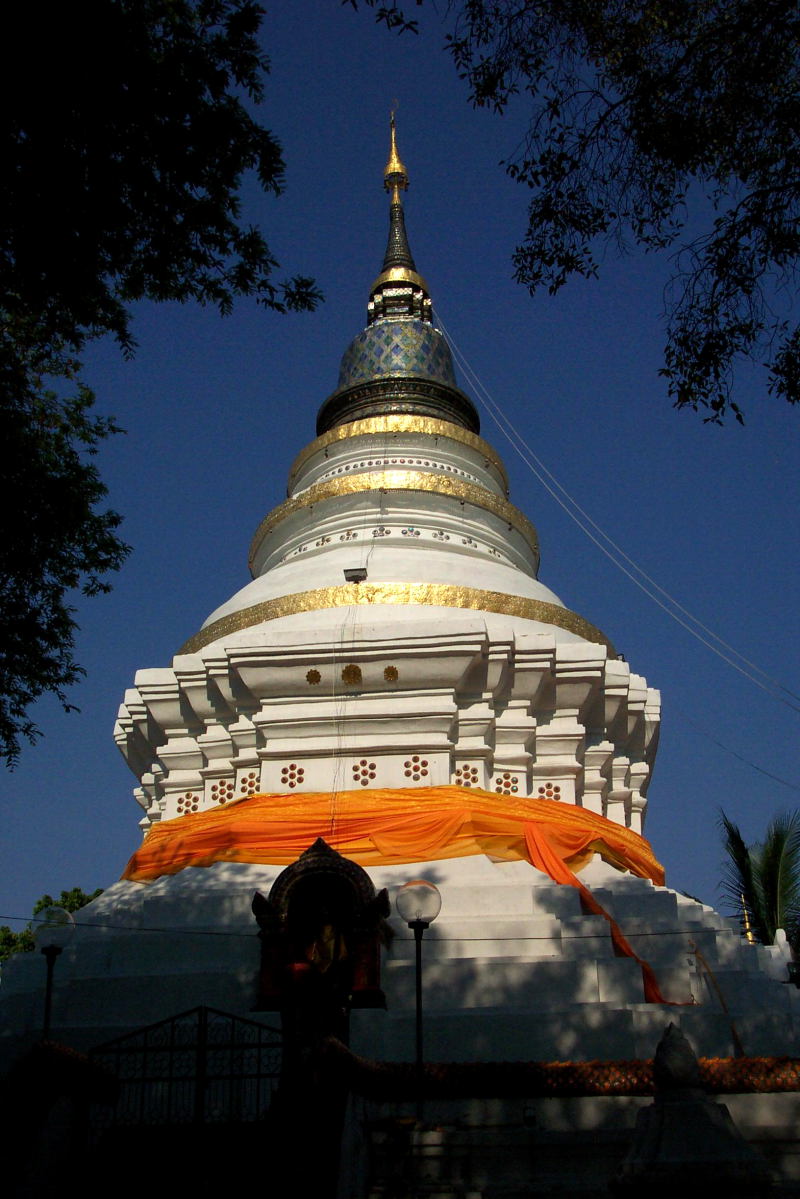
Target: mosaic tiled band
401	423
405	347
398	480
441	595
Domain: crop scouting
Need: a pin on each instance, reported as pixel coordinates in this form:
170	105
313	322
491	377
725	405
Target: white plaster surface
513	970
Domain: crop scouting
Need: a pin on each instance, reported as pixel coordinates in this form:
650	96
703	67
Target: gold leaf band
400	423
441	595
398	480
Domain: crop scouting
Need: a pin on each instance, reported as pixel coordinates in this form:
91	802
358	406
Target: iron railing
200	1067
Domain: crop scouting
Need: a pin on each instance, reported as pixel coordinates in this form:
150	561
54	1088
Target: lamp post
52	934
418	902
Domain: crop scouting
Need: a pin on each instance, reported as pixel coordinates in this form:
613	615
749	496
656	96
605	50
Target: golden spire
395	176
406	291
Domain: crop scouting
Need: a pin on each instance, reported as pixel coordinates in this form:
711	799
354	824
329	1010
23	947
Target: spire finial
398	291
395	176
395	179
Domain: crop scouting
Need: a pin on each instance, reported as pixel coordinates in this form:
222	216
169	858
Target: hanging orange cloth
389	826
395	825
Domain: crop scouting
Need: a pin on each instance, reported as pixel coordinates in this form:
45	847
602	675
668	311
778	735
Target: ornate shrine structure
397	681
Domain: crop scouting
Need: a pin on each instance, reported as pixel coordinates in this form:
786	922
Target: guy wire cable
771	686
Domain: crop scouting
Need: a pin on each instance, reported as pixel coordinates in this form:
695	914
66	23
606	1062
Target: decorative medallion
391	674
313	677
466	775
550	791
248	783
351	675
506	783
292	775
222	791
416	768
188	802
364	772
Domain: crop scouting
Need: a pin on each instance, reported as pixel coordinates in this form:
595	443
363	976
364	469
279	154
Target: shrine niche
321	930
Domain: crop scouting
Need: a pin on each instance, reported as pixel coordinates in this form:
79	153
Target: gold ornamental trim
395	164
400	274
440	595
397	480
400	423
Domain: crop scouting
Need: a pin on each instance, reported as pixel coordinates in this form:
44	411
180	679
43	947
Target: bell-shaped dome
392	348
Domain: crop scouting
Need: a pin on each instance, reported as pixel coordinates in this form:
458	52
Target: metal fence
200	1067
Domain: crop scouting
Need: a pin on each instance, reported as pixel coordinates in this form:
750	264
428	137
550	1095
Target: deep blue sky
215	410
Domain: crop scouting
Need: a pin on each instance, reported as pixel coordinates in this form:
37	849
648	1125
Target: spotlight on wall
356	575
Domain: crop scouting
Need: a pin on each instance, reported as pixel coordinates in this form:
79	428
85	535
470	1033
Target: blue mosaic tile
390	348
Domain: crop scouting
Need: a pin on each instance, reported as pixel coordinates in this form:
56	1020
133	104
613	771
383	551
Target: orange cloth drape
389	826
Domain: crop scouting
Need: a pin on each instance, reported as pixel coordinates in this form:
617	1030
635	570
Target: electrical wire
602	935
710	737
672	606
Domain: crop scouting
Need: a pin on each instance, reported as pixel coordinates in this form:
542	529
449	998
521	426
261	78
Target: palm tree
762	881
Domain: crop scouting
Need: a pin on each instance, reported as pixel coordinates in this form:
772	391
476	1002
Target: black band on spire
398	251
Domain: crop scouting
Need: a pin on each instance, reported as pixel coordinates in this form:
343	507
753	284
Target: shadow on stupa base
464	1149
475	1130
623	1128
481	1161
511	1155
506	1155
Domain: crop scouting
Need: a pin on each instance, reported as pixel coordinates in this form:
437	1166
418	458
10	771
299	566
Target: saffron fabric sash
395	825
